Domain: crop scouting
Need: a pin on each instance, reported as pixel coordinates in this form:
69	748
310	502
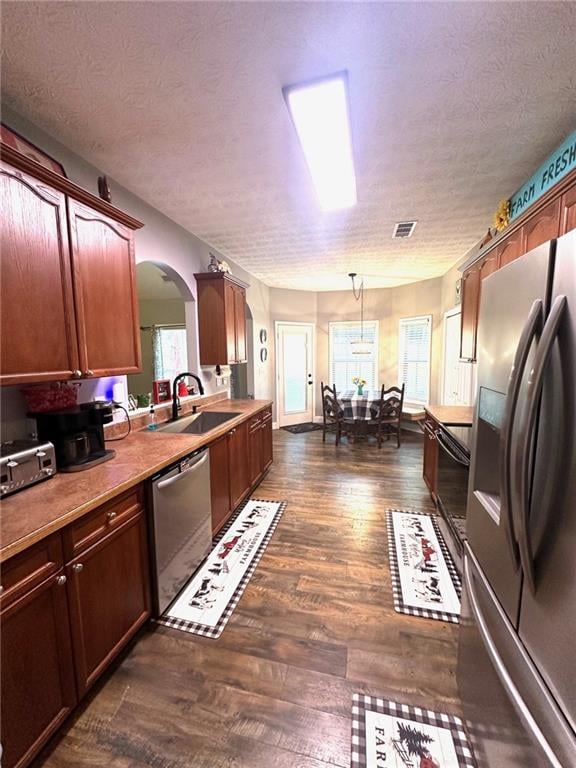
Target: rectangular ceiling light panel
320	114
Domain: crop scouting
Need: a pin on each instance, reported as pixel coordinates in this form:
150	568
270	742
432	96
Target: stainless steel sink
198	423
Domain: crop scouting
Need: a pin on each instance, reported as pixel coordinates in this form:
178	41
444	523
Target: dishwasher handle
172	480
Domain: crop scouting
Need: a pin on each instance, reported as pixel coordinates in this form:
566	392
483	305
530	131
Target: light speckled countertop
33	514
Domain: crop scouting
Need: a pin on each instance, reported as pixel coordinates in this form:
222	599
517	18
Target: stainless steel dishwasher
182	520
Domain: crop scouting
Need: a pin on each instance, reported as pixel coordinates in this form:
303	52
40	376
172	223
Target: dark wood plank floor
315	624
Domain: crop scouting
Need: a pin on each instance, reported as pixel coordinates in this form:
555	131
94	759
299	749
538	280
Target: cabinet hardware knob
61	580
76	374
88	372
77	567
112	515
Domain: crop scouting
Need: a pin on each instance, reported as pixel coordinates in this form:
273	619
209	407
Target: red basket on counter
51	397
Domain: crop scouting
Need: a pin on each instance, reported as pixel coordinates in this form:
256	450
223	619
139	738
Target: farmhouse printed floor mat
425	580
390	735
205	604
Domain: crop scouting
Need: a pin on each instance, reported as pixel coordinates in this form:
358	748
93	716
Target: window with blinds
344	365
414	346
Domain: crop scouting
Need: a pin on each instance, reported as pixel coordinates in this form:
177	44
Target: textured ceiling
452	105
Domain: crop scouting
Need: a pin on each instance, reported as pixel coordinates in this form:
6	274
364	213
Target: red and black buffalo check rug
390	735
425	580
205	604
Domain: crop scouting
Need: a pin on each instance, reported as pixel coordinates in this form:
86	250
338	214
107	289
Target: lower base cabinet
220	483
238	463
260	444
238	460
109	598
38	685
61	624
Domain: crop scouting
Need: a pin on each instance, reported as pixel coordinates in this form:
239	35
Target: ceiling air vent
404	229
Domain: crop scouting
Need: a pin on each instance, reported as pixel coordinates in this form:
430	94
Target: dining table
357	406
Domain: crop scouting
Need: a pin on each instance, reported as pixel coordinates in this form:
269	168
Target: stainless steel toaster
25	462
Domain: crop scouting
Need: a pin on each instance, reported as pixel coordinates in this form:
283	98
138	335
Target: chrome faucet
175	398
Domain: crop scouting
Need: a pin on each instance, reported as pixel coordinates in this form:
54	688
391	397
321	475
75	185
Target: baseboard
317	420
275	425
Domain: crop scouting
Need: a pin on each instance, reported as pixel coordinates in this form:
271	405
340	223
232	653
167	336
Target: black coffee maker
77	434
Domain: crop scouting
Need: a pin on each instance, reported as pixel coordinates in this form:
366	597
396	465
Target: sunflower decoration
502	215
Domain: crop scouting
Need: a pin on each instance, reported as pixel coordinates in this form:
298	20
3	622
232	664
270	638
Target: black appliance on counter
77	434
452	479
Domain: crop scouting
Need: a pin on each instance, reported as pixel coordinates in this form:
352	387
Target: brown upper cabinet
103	274
544	226
39	339
68	299
509	249
554	219
568	211
221	319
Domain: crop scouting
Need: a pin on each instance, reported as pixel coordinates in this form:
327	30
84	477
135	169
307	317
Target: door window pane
295	373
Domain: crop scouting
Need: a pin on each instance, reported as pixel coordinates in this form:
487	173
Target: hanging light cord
358	294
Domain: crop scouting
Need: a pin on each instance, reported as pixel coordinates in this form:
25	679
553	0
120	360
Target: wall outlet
221	381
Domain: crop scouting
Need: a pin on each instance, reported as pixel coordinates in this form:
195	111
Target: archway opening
165	302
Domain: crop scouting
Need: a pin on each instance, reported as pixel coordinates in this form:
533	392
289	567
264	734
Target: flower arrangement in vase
359	384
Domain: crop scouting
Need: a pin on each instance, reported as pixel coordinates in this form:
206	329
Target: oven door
452	484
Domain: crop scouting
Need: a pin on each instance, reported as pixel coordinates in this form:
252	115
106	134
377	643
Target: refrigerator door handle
535	383
501	670
531	328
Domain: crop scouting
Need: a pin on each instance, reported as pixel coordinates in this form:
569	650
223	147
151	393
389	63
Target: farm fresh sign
560	162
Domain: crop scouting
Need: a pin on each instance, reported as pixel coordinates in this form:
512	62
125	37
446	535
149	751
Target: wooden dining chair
332	413
386	414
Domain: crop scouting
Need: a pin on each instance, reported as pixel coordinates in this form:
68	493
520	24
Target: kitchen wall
160	241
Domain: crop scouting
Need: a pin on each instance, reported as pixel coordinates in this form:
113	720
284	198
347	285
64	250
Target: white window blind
344	365
415	336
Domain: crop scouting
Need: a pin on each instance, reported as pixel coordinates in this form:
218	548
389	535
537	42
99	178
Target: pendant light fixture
360	346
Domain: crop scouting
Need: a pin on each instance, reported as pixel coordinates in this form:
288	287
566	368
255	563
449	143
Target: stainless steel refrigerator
517	653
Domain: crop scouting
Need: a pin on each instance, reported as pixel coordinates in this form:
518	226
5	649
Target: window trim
402	320
376	323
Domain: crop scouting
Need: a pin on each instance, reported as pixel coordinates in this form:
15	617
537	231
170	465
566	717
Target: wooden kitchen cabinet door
230	311
489	265
221	319
255	449
542	227
105	290
38	341
469	313
510	248
240	323
109	595
266	440
37	688
238	464
568	211
220	483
